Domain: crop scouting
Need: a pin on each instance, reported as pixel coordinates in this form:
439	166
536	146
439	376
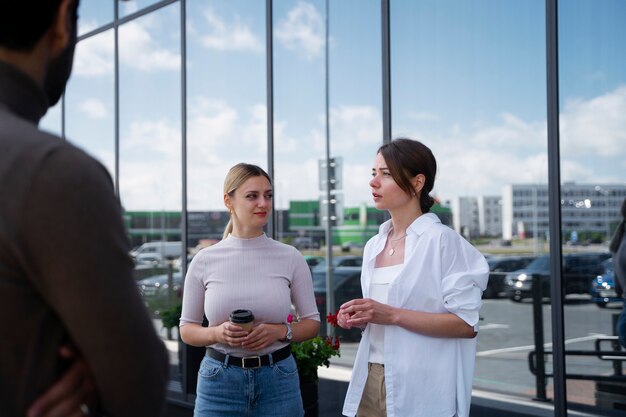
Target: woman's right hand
230	334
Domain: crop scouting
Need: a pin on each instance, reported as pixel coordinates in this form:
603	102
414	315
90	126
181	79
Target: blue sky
468	79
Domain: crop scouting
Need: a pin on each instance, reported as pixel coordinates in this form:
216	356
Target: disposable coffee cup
242	318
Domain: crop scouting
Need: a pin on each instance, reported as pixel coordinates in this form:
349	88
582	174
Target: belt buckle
246	366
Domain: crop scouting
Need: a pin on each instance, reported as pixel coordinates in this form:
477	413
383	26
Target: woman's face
251	203
386	192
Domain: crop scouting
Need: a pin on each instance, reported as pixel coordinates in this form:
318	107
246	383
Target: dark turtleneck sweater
65	272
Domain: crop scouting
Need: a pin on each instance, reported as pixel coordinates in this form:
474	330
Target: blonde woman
248	373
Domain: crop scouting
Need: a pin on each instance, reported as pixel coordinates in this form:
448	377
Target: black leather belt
251	361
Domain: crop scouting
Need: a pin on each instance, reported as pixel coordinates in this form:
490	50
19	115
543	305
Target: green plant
312	353
171	317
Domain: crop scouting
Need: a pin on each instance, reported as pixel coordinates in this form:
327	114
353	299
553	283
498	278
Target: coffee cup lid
241	316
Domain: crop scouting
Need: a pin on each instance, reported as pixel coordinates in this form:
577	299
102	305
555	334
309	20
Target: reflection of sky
468	78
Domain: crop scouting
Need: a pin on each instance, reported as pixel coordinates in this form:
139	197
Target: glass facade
529	140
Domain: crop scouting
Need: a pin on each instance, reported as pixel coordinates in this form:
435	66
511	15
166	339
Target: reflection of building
490	215
590	210
477	216
465	216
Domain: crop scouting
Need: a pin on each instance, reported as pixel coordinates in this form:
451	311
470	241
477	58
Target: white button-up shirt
425	376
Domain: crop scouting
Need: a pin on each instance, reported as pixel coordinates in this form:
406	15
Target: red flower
332	318
289	318
336	344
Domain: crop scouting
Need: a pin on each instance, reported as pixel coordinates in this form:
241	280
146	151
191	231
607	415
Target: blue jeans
620	327
261	392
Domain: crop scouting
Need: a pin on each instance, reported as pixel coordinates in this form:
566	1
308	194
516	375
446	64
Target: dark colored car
603	289
155	292
347	285
339	261
578	269
499	266
312	261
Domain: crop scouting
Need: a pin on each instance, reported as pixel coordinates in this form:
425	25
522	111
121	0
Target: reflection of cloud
94	56
94	108
150	166
512	134
481	159
596	126
302	30
150	139
232	36
138	50
354	124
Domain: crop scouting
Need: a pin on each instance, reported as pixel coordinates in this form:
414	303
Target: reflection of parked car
579	269
312	261
164	250
347	285
603	289
498	267
347	260
305	242
155	291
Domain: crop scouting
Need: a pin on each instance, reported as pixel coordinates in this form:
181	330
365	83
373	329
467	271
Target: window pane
355	99
592	46
94	14
468	79
150	160
89	99
226	111
299	124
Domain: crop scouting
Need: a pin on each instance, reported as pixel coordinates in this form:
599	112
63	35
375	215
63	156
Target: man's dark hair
23	22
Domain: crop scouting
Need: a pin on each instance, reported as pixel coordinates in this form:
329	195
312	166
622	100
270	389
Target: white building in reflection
590	209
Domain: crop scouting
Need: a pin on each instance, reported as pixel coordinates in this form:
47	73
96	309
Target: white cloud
150	166
157	139
596	126
302	31
354	124
94	56
231	36
138	50
94	108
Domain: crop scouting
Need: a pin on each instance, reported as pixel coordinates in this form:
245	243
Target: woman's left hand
365	310
262	336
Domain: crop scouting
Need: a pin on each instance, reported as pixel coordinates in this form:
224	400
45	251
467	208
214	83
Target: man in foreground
71	318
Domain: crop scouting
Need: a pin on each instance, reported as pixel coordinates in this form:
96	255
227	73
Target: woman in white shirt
248	373
422	285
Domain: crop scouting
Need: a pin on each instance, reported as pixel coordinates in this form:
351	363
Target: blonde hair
236	176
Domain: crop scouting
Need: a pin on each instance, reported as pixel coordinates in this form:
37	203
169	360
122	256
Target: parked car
499	266
339	261
578	270
305	242
313	260
603	288
157	251
347	286
155	291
